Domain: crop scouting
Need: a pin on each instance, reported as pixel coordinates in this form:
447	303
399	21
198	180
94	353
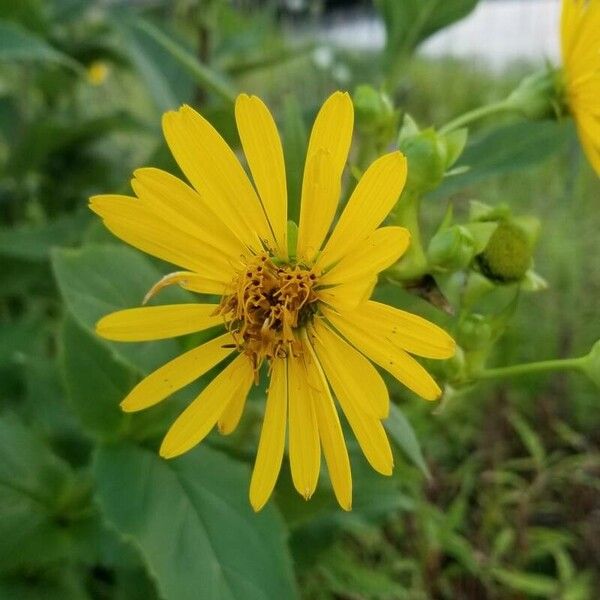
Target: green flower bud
373	109
427	156
507	257
474	333
451	248
537	96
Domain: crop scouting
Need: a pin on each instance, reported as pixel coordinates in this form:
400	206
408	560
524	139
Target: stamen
267	304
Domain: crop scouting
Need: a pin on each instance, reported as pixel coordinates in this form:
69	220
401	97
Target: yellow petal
320	191
232	414
178	204
272	438
157	322
394	360
348	296
373	198
304	448
196	421
262	147
330	431
213	169
368	429
353	372
134	222
188	281
379	250
326	156
404	330
178	373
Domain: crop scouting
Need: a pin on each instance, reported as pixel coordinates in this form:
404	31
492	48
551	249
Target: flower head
580	40
300	314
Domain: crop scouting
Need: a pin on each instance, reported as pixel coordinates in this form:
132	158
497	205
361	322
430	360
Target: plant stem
413	264
476	114
565	364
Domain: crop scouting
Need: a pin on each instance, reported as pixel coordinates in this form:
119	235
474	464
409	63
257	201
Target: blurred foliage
496	491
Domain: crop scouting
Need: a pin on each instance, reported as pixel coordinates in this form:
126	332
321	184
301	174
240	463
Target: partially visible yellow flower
97	72
580	40
302	313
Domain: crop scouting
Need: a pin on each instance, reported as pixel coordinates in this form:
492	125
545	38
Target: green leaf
17	43
409	22
530	439
33	482
506	149
97	280
34	243
192	522
529	583
96	380
403	435
295	140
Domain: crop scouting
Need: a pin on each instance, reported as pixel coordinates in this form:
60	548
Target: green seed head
507	257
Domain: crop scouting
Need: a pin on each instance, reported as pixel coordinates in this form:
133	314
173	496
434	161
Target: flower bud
373	109
508	254
426	154
537	96
474	333
452	248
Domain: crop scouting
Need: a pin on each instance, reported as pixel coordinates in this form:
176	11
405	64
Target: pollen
268	303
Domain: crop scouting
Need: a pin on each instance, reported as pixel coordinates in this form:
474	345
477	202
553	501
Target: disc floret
268	302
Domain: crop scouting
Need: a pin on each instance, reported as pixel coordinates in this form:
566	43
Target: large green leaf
409	22
403	435
96	380
34	243
192	522
506	149
97	280
33	483
17	43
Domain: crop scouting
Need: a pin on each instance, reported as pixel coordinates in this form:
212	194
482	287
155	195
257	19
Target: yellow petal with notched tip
134	222
379	251
304	447
214	170
272	438
394	360
368	429
373	198
330	431
157	322
196	421
326	157
352	371
263	151
178	373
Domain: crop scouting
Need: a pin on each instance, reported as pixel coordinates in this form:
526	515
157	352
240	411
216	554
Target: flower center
269	301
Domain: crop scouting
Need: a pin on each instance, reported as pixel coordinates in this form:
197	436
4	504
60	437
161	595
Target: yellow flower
97	72
580	40
305	315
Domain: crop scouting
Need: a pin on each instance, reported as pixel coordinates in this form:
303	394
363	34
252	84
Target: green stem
476	114
413	264
565	364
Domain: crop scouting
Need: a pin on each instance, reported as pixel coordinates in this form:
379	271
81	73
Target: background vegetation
496	491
